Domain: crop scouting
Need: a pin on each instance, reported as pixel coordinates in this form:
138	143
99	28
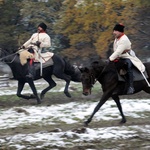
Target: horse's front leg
66	89
19	90
117	100
104	98
32	86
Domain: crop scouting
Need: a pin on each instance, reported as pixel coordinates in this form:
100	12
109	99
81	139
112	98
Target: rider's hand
38	43
22	47
107	61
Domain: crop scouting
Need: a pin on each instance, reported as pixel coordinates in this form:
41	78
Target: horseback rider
122	50
34	45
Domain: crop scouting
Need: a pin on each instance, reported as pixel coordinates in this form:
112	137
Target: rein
94	79
9	56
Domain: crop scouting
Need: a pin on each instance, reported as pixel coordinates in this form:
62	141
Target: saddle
136	74
37	65
46	58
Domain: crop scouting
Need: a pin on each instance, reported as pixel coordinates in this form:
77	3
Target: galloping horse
106	75
61	69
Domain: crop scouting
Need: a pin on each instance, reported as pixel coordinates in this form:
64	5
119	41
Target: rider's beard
38	30
41	31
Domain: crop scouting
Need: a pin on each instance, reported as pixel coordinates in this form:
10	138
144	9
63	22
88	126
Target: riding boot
130	89
31	69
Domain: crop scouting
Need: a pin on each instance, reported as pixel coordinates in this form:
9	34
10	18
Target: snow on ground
70	113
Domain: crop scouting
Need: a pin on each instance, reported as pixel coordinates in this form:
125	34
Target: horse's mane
103	66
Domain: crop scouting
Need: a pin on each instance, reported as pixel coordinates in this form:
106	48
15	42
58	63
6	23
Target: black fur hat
43	26
119	27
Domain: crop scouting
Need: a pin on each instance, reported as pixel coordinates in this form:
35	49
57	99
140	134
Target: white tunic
45	40
122	44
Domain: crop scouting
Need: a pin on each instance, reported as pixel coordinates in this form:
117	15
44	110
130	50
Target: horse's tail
69	68
64	65
73	71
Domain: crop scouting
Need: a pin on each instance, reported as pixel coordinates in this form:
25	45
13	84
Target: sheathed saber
41	65
145	79
41	68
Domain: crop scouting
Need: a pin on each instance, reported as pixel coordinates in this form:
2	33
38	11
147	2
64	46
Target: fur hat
43	26
119	27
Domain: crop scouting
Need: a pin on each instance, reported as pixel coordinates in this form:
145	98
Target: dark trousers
31	69
129	68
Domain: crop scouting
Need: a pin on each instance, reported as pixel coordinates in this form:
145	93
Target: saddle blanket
43	57
37	65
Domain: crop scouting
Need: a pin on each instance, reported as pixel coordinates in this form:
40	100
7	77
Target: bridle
93	79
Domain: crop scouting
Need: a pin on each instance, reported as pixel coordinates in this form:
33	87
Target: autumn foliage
78	28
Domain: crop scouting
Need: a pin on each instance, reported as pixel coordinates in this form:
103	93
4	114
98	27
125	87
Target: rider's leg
129	64
31	69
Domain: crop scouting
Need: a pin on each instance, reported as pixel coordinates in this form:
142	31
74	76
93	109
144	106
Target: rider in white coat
122	49
38	41
35	44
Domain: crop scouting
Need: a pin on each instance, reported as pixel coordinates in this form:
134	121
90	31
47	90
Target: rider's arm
46	41
120	49
27	43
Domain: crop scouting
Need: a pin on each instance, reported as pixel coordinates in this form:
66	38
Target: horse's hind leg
67	78
117	100
51	85
19	90
58	71
31	83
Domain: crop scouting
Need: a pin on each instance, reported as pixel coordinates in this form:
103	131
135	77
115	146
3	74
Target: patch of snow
73	112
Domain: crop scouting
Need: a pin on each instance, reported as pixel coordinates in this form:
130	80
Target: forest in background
79	29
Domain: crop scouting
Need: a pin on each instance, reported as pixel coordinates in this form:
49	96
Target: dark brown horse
106	75
61	68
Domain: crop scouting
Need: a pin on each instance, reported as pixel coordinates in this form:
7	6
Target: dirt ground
135	143
60	98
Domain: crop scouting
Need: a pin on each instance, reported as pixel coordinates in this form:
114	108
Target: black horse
61	68
106	75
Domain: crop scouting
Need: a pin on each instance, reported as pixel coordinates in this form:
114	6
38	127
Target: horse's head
87	79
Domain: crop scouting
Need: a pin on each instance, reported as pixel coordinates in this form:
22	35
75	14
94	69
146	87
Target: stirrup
130	90
29	76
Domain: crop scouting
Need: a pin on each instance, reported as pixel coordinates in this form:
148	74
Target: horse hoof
68	95
123	121
39	102
41	96
32	96
86	123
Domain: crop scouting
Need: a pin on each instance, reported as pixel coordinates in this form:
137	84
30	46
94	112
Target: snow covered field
69	114
56	114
